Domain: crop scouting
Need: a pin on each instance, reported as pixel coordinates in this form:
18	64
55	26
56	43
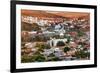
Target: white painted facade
53	42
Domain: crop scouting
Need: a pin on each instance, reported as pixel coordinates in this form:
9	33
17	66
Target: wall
5	35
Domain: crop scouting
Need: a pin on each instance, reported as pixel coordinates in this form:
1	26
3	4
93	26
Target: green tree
26	59
40	58
66	49
82	54
80	33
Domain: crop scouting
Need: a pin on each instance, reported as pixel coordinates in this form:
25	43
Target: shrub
82	54
66	49
26	59
80	33
54	59
40	58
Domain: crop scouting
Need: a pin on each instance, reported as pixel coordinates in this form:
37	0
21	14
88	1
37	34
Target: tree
80	33
66	49
88	54
26	59
42	46
40	58
82	54
68	38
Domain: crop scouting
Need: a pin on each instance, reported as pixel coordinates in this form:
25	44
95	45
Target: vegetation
42	46
39	58
30	27
66	49
35	58
26	58
82	54
80	33
39	40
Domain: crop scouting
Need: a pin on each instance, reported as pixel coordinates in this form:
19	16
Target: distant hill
73	14
53	14
39	13
29	27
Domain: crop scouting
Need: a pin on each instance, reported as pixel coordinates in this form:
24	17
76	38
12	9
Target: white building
53	41
31	20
